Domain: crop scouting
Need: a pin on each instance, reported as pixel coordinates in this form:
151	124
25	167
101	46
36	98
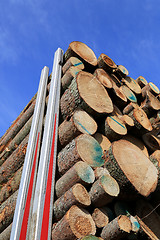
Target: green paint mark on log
97	155
83	127
87	175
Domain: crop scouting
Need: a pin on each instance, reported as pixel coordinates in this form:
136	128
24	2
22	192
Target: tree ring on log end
129	94
110	185
108	61
116	125
85	172
82	50
93	93
124	223
138	169
90	150
81	222
84	122
142	118
81	194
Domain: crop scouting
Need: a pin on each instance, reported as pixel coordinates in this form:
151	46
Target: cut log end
93	93
129	94
124	223
103	77
106	62
89	150
84	52
136	166
100	218
103	141
81	223
110	185
84	122
81	194
133	85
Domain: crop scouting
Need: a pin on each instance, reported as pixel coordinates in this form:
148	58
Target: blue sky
31	30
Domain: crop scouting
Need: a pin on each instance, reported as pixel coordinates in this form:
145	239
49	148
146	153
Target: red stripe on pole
46	211
29	195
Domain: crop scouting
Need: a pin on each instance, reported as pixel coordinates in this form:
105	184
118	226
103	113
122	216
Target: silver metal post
40	227
26	189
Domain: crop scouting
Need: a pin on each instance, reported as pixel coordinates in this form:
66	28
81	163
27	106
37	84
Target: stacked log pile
107	179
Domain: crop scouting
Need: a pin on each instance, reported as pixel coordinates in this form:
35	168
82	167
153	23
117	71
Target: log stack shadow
107	179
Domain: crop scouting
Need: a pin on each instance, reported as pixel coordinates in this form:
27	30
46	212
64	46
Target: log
76	223
141	81
129	94
150	87
132	84
119	228
76	195
103	141
16	141
18	124
72	61
106	63
128	121
11	186
118	97
113	128
103	77
13	162
103	191
85	92
68	77
155	157
7	211
141	121
145	231
151	141
130	108
80	122
121	72
137	142
83	53
5	235
100	171
150	105
81	172
100	217
145	211
85	148
131	168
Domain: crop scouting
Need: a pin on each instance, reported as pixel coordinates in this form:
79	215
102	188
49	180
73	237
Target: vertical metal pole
40	227
26	189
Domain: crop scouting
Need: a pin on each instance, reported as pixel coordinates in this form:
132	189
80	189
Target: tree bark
151	141
76	223
80	122
131	168
11	186
68	77
7	211
81	172
13	162
76	96
72	62
16	141
77	195
85	148
119	228
5	235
